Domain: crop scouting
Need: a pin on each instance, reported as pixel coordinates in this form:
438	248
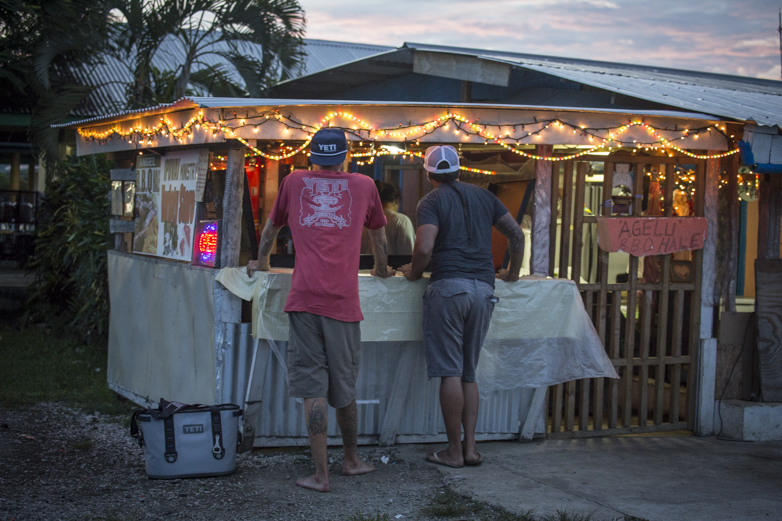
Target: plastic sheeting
540	334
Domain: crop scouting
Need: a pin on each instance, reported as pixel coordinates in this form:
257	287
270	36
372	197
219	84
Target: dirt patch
58	463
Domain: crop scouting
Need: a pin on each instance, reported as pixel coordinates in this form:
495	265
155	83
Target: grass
40	365
448	504
82	445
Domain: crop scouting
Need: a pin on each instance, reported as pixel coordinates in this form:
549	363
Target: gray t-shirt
460	252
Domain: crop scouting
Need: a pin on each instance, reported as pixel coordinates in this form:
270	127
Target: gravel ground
60	464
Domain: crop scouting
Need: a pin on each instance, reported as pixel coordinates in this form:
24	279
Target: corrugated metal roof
111	77
737	97
723	95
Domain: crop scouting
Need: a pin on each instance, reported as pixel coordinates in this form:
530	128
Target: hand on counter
254	266
407	271
504	274
390	272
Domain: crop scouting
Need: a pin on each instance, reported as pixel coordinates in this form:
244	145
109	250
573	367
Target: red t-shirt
326	212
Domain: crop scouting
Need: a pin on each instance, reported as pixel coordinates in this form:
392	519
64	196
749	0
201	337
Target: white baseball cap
441	159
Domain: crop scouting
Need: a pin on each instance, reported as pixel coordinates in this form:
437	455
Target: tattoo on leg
317	420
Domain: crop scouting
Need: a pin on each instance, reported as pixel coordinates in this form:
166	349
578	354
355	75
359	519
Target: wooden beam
271	183
567	219
695	384
552	241
231	241
232	209
770	214
578	226
539	264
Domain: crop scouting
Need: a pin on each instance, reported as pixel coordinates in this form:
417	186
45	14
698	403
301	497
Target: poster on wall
166	199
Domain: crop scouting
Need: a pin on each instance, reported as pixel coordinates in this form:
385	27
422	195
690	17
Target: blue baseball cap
329	146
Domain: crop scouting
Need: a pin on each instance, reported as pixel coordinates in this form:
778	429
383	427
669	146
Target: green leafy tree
203	28
72	238
42	44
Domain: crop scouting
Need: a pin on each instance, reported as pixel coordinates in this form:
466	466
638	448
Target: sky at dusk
723	36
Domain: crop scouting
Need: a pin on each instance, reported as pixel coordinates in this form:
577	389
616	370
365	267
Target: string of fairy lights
506	135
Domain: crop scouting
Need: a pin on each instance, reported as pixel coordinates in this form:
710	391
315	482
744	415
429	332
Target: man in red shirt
326	210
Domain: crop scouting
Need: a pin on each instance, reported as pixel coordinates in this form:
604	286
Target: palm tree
41	43
220	45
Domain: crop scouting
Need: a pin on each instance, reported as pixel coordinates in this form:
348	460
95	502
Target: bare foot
444	458
314	483
354	469
471	457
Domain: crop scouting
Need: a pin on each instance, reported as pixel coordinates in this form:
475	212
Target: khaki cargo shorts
323	357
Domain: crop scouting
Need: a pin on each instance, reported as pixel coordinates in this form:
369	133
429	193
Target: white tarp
161	332
540	334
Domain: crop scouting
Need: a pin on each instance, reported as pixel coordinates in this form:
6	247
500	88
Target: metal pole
779	29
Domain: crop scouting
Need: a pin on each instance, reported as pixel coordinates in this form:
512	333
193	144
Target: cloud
728	36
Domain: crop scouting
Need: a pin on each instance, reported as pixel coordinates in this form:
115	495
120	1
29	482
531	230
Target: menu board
166	202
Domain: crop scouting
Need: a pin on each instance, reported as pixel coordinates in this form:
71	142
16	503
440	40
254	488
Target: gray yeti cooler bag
188	441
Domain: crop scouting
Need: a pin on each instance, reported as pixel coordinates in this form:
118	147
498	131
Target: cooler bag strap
218	451
134	430
168	430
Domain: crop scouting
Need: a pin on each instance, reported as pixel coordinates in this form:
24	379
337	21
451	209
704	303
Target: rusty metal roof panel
736	97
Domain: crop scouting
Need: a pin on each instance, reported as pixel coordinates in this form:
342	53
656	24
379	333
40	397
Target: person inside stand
326	210
400	233
454	235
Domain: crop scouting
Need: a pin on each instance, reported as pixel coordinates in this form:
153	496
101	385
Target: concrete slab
748	421
656	478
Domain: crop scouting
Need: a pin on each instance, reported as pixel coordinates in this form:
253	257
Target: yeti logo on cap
328	148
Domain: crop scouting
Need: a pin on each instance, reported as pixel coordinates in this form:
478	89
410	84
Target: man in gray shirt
454	234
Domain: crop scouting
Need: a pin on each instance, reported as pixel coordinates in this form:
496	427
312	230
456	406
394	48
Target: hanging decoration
503	134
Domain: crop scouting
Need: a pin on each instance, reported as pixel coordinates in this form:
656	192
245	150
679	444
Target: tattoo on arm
508	226
380	250
318	420
268	236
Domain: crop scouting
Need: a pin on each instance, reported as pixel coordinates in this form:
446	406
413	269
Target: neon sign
207	244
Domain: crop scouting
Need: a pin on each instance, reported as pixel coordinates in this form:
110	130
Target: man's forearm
268	236
380	251
508	226
420	262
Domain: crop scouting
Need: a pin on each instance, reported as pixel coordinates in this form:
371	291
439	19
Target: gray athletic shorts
456	318
323	357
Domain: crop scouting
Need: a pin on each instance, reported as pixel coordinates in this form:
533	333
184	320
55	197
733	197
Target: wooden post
770	213
727	256
702	350
710	211
539	264
663	307
567	216
552	230
578	226
270	186
232	209
231	242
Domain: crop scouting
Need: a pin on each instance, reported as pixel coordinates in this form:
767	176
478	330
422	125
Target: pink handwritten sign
651	235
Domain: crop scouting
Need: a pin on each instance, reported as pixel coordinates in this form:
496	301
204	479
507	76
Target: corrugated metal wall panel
282	418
